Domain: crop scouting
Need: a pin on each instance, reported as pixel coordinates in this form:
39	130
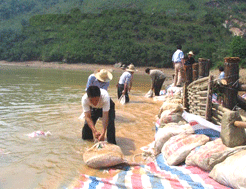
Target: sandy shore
81	66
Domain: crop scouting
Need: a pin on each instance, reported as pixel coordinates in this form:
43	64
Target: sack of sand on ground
102	155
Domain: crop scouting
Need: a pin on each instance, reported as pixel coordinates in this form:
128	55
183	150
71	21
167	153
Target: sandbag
173	107
122	99
149	94
165	133
168	116
177	148
232	171
201	156
103	154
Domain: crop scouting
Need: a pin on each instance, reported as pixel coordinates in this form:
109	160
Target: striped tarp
153	176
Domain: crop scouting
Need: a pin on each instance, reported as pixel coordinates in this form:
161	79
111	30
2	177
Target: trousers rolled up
120	90
95	114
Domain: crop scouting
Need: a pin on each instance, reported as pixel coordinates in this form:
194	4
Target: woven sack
201	156
232	171
149	94
168	116
122	99
103	154
165	133
177	148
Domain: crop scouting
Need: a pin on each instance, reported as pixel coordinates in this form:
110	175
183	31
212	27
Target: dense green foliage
102	32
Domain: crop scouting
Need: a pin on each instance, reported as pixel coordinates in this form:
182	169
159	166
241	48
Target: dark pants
95	114
120	89
158	85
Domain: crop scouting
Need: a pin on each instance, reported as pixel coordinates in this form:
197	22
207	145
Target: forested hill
143	32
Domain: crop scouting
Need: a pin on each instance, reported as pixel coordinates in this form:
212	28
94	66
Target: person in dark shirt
190	60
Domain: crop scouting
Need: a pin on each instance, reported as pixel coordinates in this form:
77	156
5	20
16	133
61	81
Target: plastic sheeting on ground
156	175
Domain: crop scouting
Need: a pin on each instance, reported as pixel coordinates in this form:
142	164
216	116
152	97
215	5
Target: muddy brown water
33	99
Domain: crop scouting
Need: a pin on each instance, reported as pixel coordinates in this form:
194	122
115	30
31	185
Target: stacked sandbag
170	112
177	148
201	156
232	171
103	154
165	133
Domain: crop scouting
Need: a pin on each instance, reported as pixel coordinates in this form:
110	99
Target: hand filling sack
103	154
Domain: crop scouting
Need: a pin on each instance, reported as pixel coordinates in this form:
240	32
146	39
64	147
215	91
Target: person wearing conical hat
125	82
101	78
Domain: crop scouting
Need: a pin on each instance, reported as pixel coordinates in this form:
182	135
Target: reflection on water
50	100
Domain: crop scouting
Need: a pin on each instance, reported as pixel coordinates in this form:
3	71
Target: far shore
93	67
81	66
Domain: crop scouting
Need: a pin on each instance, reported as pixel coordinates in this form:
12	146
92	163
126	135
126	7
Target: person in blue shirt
100	79
125	82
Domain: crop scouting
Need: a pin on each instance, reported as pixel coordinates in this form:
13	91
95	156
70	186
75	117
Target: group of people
96	102
179	60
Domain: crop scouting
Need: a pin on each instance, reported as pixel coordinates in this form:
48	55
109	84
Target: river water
49	100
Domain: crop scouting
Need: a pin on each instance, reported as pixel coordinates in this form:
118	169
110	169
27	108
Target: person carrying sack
157	80
125	83
96	103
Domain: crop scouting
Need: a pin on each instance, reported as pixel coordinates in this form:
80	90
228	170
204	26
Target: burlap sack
165	133
103	154
177	148
149	94
200	157
232	171
173	107
168	116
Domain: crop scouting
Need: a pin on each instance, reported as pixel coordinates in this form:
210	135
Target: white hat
191	53
130	68
104	75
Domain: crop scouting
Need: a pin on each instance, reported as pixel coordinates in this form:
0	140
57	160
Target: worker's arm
90	123
105	125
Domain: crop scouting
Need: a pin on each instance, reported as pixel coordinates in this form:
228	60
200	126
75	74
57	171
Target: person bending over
125	82
157	80
96	103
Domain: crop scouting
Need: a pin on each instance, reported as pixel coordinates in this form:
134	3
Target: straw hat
130	68
191	53
104	75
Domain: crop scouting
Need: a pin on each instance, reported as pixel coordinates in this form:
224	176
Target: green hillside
105	31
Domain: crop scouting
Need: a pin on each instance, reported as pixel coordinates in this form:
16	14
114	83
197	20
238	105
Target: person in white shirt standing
96	103
125	82
178	62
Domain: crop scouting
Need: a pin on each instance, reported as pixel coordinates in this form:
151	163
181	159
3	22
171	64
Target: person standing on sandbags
157	80
97	103
125	82
178	63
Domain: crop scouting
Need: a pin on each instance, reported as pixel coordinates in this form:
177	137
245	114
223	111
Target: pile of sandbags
171	111
103	154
